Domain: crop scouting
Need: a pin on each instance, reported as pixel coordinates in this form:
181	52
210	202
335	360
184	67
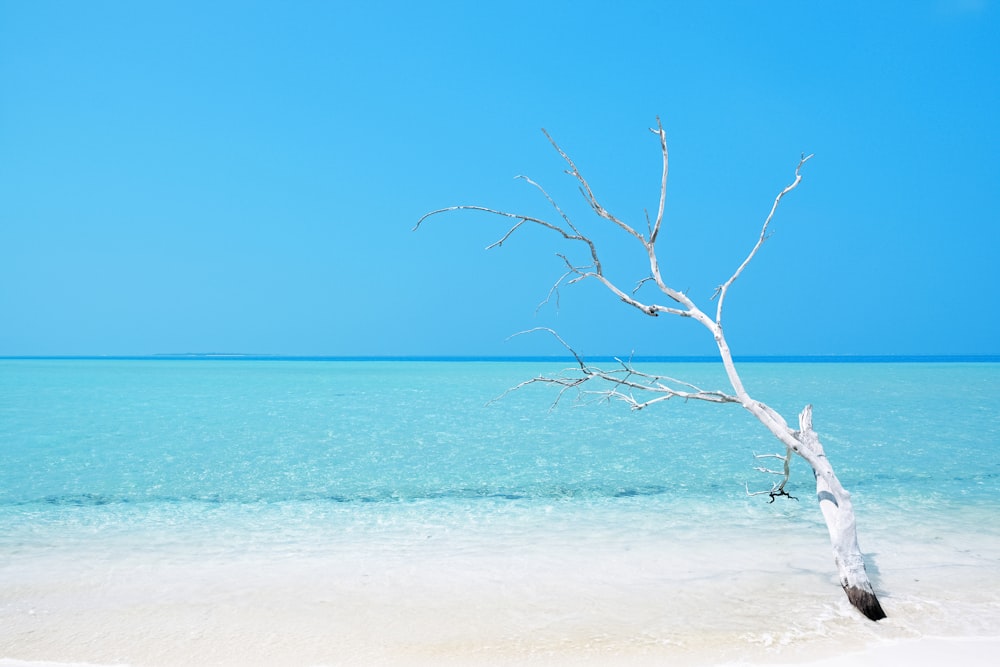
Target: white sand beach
423	598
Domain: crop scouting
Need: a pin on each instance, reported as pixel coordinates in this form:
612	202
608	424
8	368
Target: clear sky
244	176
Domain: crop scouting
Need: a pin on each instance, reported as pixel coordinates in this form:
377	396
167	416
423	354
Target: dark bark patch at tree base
865	602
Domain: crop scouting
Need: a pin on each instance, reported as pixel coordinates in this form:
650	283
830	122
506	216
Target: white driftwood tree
640	389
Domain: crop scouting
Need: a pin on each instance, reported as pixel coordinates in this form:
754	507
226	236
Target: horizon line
758	358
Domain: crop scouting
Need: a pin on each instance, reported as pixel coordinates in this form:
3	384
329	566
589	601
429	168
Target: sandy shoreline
604	598
966	651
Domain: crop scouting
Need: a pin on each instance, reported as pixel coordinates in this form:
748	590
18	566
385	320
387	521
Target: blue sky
244	177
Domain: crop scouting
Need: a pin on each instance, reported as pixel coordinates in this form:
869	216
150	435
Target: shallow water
165	512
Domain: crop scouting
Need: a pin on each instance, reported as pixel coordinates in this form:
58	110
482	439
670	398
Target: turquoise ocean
287	511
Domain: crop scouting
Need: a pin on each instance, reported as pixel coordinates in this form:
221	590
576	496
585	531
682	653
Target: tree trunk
834	500
838	512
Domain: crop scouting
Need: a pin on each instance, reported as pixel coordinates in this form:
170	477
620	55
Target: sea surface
231	511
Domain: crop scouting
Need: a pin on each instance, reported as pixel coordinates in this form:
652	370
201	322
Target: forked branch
624	382
777	489
569	231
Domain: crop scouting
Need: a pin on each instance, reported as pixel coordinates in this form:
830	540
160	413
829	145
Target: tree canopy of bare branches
640	389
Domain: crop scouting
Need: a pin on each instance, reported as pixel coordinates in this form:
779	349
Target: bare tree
640	389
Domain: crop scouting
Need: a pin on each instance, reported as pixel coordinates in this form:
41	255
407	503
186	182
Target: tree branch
655	231
625	382
521	219
777	489
596	270
589	194
722	290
